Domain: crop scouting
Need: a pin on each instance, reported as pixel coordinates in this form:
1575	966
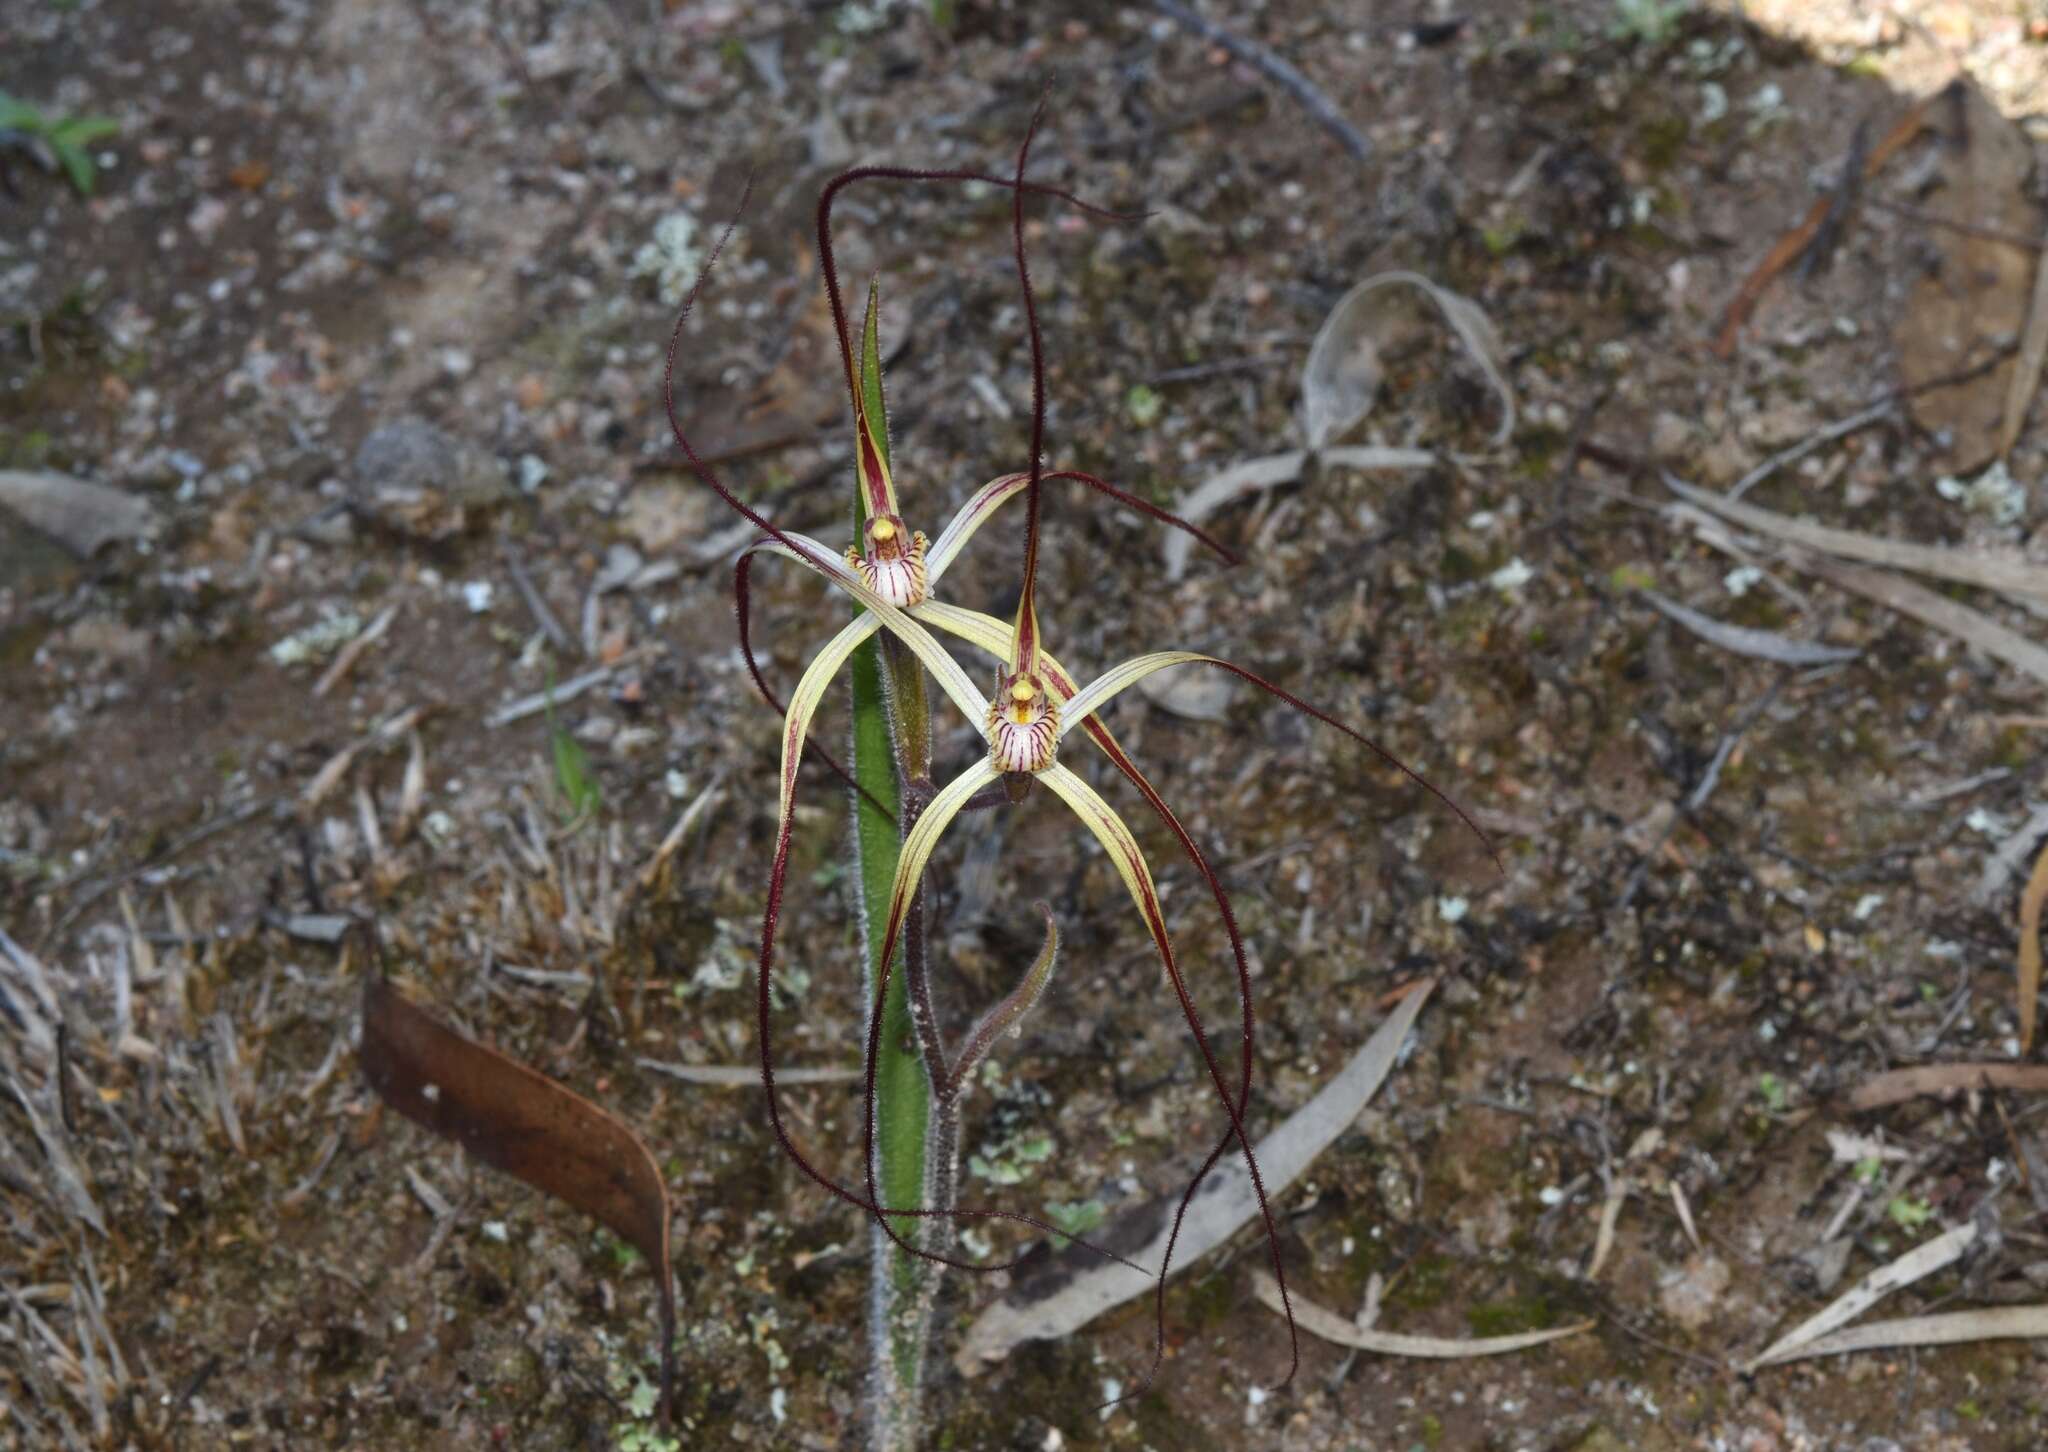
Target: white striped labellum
1023	725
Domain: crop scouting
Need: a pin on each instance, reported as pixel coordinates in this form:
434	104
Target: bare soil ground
320	220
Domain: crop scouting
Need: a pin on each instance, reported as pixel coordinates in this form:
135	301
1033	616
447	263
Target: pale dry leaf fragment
1989	1323
412	791
1916	1264
1610	1216
82	516
1073	1288
1318	1321
1342	375
2030	948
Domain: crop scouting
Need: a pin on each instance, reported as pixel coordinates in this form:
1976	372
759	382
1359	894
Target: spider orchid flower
892	574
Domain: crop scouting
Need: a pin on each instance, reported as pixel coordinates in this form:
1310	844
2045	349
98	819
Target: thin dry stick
2030	949
1956	224
2019	394
535	605
1899	1085
1270	65
1788	248
345	659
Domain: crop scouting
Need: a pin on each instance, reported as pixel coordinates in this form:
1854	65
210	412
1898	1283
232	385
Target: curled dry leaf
1342	375
1338	384
518	1120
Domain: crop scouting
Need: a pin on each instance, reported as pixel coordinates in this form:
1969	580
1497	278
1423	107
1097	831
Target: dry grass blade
524	1123
2007	574
1916	1264
1082	1287
1899	1085
1319	1321
1995	1323
2030	942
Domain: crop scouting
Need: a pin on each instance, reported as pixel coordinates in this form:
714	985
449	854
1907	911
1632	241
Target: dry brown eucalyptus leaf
518	1120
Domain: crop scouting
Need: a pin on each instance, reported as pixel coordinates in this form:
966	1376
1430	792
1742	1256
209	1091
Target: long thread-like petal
1120	678
1114	834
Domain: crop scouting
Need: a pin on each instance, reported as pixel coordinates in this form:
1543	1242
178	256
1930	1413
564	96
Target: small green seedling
52	141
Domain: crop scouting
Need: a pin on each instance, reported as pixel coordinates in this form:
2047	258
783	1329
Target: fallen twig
1270	65
345	659
535	605
2030	950
1839	429
568	690
1788	247
1896	1086
1957	224
1697	797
